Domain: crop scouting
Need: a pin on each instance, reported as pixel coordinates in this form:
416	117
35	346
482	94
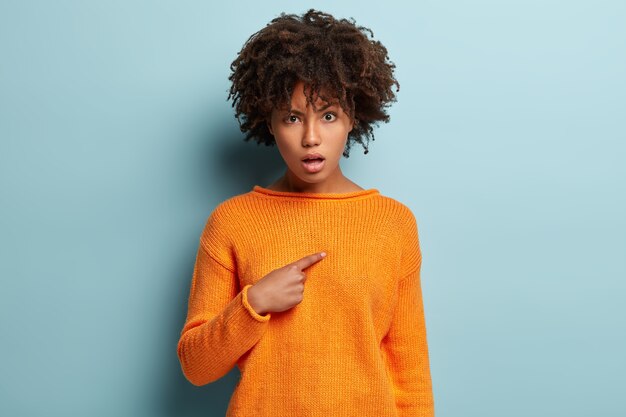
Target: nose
311	134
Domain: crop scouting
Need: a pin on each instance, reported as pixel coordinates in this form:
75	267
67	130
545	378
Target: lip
313	167
313	156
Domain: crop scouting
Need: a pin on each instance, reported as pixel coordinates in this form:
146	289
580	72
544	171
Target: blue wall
507	141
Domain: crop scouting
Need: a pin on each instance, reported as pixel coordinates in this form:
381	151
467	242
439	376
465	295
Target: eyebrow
298	112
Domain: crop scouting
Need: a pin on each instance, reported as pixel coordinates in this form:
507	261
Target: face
306	131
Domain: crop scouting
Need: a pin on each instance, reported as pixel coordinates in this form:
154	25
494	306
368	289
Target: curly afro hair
330	56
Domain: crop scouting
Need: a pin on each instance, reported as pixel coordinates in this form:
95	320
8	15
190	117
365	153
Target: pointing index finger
310	260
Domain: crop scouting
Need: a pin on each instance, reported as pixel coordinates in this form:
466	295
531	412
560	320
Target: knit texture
355	346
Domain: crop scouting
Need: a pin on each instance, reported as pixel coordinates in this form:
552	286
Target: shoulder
405	223
222	227
231	208
224	218
398	211
226	207
408	237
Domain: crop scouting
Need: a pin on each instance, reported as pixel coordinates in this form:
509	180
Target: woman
311	285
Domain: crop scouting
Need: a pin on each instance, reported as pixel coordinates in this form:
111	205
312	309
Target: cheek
339	136
287	149
288	139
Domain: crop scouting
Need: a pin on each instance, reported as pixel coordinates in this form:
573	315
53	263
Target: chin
313	179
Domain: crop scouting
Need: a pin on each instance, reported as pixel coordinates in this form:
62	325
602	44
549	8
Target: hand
282	288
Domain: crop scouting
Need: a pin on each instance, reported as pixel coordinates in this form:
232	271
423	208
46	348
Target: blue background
507	142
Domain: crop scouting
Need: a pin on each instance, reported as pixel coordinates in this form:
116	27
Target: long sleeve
405	346
221	325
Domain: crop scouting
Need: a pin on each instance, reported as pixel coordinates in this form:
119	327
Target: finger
309	260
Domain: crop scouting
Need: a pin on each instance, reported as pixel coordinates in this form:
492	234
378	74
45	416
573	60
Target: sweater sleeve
221	325
405	346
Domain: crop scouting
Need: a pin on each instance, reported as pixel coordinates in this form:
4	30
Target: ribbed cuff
246	304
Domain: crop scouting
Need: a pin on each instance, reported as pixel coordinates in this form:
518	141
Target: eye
329	117
292	118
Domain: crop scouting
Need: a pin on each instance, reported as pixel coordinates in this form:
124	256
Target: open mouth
313	165
313	157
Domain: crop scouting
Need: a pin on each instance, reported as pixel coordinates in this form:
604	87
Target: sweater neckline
351	195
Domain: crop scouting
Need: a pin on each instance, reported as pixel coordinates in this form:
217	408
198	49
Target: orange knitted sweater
355	346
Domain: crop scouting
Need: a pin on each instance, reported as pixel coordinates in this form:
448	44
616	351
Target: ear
353	122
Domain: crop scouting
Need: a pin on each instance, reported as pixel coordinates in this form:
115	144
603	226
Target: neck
336	184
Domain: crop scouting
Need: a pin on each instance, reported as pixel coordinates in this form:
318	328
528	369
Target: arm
405	346
221	324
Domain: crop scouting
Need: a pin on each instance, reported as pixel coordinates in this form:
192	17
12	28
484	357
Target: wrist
253	300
